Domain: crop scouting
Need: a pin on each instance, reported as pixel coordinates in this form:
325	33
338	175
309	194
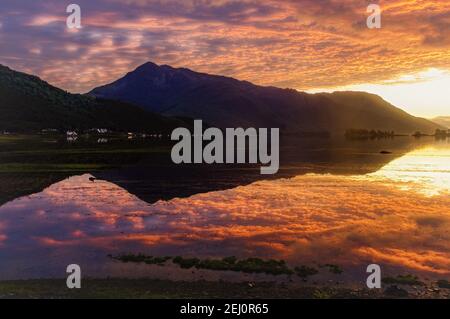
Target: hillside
442	120
29	104
227	102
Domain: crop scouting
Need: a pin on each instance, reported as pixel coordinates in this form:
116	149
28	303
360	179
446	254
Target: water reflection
351	220
427	169
144	168
156	177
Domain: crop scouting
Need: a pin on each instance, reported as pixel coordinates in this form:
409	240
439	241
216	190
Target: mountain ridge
227	102
442	120
28	103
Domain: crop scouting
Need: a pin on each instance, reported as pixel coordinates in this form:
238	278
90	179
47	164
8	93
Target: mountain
29	104
442	120
226	102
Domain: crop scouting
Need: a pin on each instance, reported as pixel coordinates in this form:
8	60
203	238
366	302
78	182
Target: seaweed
141	258
305	271
403	280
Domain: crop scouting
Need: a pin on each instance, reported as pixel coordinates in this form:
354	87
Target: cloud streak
304	44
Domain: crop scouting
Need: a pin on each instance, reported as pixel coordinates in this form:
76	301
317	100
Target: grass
334	269
186	263
78	151
409	280
322	294
141	258
66	167
305	271
249	265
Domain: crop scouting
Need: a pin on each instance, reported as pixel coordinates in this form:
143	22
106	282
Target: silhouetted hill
442	120
29	104
227	102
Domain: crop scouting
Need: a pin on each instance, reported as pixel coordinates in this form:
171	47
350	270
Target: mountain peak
162	73
148	66
227	102
153	67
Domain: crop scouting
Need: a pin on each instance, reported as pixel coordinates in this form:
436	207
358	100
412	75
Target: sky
308	45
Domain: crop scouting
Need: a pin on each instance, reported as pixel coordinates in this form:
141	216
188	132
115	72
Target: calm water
344	204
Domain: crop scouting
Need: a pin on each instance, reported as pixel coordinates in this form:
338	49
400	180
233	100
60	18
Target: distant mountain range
29	104
442	120
160	98
226	102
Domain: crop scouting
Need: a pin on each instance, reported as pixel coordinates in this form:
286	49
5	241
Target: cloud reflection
346	220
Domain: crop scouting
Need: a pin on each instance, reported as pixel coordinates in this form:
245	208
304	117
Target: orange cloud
303	44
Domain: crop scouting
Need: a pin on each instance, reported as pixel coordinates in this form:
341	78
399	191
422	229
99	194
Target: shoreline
144	288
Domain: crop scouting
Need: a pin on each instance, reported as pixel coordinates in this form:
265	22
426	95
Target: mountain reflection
144	168
155	177
398	217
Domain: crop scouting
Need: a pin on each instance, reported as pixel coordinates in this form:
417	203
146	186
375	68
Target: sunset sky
309	45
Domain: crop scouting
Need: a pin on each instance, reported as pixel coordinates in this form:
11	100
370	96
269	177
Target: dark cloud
302	44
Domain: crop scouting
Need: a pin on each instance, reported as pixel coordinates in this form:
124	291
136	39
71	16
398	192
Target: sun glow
423	170
422	94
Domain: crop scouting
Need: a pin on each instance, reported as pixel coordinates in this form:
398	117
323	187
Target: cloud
304	219
303	44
